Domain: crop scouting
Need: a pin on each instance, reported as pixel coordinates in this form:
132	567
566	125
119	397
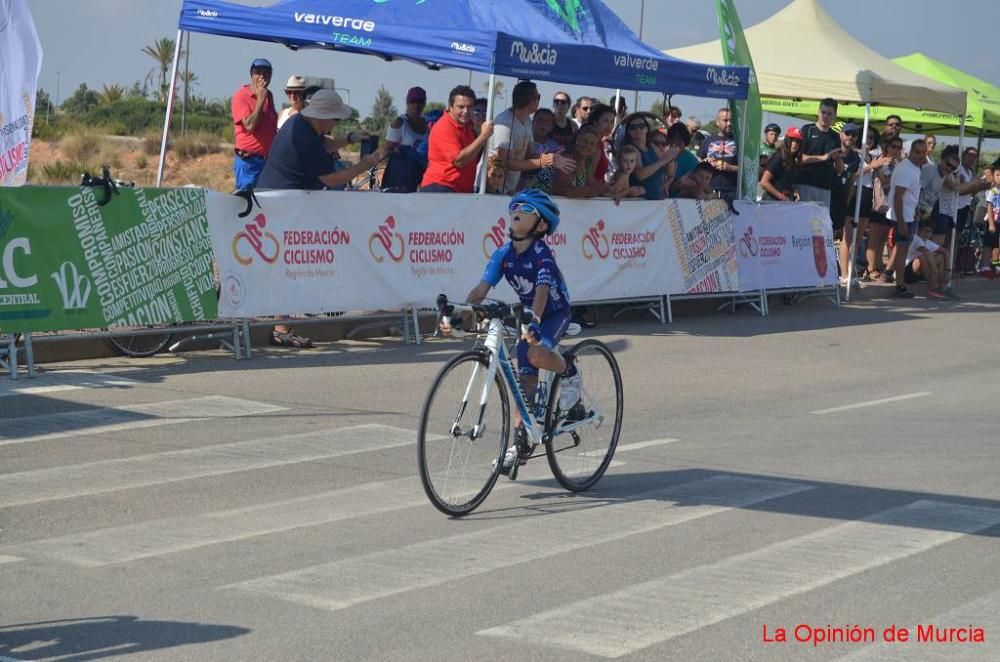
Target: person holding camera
300	154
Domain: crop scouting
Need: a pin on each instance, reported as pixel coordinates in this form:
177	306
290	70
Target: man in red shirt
255	122
453	147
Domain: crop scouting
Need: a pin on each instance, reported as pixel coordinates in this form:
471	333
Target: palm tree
163	52
111	94
189	80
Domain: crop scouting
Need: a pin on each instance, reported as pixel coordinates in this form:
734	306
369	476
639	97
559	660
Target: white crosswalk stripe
64	380
656	611
145	470
9	559
342	584
983	613
127	417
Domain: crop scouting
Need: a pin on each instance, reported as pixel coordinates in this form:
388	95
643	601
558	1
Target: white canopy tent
801	52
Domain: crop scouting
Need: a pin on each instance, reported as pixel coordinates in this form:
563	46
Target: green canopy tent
982	113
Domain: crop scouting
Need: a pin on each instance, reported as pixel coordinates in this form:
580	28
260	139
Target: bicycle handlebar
512	314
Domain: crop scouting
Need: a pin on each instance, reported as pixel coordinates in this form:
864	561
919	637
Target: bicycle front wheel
139	345
583	436
459	456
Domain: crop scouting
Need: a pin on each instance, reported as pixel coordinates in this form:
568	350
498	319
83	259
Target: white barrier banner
784	245
326	251
704	247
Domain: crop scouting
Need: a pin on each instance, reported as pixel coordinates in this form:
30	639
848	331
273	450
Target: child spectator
628	161
926	261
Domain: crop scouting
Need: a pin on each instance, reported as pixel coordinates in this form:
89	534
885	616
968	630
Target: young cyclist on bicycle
529	266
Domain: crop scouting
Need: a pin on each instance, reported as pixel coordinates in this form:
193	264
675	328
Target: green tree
111	94
163	52
432	106
42	103
81	101
658	107
383	112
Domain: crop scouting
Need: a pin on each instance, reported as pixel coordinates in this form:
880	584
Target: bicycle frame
500	357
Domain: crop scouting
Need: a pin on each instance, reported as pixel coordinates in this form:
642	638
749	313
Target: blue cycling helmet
542	203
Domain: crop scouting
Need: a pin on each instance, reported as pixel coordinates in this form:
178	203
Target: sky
100	42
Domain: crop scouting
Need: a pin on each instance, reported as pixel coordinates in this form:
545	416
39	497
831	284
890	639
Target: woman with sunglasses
658	167
295	90
563	128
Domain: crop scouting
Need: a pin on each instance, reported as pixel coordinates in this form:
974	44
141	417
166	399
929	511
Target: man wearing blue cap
255	122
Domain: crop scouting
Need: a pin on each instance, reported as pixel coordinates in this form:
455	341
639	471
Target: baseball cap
261	63
793	133
416	94
850	127
327	105
772	127
295	83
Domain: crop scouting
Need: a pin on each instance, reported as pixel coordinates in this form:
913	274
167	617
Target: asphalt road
819	473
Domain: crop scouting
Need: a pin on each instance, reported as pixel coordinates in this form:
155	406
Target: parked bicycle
465	427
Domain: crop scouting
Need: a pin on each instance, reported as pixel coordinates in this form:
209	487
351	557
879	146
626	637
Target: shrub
195	144
141	162
63	172
81	146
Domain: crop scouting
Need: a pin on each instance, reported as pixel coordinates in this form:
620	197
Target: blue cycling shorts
553	328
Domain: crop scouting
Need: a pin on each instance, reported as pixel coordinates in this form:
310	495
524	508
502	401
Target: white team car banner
326	251
784	245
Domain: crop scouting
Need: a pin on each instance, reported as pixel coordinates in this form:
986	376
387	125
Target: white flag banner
784	245
20	64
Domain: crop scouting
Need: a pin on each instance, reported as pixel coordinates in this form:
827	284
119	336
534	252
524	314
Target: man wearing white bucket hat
300	155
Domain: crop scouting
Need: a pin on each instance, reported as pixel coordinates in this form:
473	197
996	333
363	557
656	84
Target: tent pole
486	152
187	84
739	143
954	211
853	246
170	108
614	107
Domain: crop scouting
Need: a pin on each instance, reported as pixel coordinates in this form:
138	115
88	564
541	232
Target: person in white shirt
514	142
926	260
904	193
295	90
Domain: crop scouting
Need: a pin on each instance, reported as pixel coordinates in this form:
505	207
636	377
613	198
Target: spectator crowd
909	194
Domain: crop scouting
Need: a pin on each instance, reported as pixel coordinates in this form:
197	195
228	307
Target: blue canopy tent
566	41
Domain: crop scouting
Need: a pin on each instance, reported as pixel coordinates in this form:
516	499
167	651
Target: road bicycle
465	426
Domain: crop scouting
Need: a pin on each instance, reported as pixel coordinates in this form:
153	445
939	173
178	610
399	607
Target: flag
20	64
747	130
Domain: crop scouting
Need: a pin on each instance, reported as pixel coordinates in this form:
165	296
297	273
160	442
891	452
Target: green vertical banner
736	52
67	261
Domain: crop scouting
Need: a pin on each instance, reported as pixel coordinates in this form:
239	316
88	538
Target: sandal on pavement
289	339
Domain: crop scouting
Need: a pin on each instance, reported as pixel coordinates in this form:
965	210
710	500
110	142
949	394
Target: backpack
404	170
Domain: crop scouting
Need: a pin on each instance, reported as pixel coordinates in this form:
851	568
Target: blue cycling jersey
527	272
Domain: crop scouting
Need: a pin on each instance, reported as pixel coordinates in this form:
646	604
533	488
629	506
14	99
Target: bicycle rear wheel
459	471
139	345
582	440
